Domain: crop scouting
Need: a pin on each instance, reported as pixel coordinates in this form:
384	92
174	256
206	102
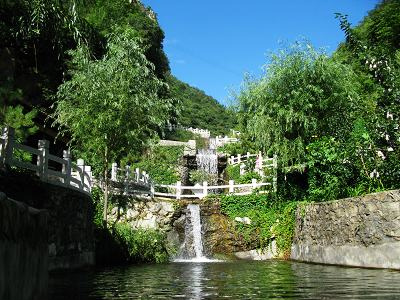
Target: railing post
8	135
231	186
205	189
88	177
126	181
43	159
253	183
127	172
275	179
152	190
248	155
137	175
232	160
242	169
114	169
144	177
239	157
81	172
178	190
66	168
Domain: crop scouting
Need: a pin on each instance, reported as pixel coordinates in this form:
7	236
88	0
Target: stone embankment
23	251
145	213
360	231
70	218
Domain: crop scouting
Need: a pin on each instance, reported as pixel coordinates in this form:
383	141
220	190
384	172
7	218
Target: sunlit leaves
303	93
112	105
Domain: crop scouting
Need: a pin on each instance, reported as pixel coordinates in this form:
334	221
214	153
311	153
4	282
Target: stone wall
145	213
23	251
360	231
70	235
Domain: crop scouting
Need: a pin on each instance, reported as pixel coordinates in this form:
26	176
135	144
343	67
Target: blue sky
211	44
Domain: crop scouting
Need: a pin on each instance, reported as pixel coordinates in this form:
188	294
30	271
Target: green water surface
227	280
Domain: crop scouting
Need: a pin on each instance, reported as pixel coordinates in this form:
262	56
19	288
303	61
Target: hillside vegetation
200	110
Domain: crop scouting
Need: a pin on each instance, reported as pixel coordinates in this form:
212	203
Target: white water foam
199	257
207	161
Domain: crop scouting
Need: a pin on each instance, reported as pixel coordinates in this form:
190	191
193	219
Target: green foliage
373	51
131	245
161	163
98	198
14	115
103	15
328	170
233	172
96	106
140	244
241	147
302	94
34	39
180	135
270	218
200	110
199	176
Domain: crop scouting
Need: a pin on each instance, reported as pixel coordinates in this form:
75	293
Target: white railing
220	141
64	172
260	159
200	191
261	163
204	133
132	181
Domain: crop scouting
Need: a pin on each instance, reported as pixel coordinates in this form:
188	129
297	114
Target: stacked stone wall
360	231
70	218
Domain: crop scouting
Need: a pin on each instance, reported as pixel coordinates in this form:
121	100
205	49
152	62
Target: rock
259	254
131	214
246	220
219	234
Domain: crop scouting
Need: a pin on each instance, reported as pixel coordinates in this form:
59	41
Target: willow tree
302	94
111	106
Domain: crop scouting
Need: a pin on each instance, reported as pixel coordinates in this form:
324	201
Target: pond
227	280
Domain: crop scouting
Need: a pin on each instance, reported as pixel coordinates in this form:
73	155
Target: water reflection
231	280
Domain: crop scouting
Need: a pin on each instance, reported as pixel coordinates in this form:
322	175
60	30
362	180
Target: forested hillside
200	110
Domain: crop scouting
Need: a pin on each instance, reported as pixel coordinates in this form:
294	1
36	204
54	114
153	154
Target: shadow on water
228	280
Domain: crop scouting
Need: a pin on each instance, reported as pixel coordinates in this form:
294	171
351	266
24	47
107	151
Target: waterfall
196	229
192	247
207	161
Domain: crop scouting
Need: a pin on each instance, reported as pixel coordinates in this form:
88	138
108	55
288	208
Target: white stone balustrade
76	176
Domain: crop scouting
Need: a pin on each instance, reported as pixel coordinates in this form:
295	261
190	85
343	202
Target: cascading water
192	248
207	161
196	230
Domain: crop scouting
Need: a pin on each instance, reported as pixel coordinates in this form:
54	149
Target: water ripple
228	280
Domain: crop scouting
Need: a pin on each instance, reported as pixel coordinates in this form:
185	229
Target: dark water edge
227	280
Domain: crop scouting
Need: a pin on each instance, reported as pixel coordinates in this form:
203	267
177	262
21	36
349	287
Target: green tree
111	106
372	49
303	94
104	14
